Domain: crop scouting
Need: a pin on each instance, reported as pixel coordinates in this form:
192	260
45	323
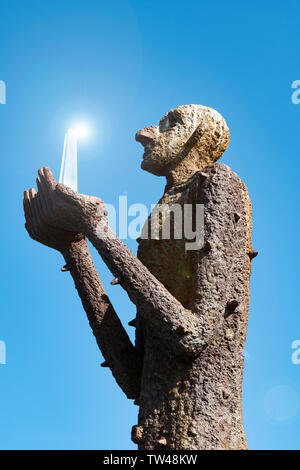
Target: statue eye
167	123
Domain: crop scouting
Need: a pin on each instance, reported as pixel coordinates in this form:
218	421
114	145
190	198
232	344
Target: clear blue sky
122	65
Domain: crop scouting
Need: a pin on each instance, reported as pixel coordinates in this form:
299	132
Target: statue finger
34	217
51	181
27	212
47	181
40	206
44	200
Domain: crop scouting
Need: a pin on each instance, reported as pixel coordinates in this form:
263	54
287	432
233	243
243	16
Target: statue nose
145	135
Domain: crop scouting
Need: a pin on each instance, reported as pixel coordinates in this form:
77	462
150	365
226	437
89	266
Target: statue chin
148	165
145	164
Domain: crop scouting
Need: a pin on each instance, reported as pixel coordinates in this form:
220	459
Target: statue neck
185	169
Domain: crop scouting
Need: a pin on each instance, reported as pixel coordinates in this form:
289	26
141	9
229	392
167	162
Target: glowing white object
68	169
82	131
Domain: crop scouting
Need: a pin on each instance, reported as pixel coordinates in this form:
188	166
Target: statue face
164	143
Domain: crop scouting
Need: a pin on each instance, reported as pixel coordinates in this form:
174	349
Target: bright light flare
82	130
68	170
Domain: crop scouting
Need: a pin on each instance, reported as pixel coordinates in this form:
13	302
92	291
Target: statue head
187	139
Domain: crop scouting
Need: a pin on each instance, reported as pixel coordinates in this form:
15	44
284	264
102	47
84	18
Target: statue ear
199	144
193	139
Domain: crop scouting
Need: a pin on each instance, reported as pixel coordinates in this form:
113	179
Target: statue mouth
148	148
146	154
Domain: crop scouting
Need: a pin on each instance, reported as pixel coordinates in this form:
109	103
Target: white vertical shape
2	92
68	169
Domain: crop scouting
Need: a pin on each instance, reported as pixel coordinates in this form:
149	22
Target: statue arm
119	353
113	341
188	331
63	208
221	268
153	300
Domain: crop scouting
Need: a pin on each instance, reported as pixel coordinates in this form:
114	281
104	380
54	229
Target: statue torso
209	385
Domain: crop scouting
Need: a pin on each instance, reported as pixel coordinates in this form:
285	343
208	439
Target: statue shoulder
218	175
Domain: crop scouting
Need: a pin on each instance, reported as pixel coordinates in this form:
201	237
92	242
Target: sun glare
82	130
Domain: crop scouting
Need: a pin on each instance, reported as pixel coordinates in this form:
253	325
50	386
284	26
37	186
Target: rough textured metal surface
186	368
195	402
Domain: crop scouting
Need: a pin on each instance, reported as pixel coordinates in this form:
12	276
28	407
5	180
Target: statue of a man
186	368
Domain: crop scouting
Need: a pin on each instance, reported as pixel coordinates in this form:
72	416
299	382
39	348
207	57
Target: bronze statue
185	370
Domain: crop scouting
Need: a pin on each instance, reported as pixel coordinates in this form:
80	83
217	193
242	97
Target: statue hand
39	230
64	208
